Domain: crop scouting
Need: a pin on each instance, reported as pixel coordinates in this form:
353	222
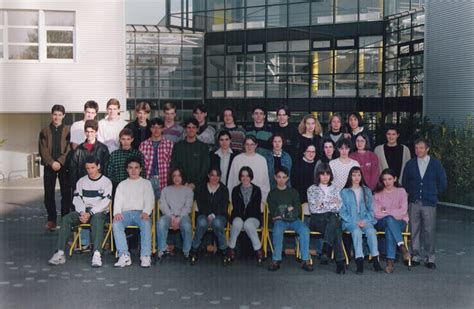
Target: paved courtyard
27	281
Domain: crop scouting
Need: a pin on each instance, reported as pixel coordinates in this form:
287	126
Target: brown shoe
306	265
389	267
51	226
405	253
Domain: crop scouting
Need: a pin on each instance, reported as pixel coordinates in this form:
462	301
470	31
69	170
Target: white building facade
55	52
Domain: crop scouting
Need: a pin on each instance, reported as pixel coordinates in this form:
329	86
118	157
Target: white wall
97	73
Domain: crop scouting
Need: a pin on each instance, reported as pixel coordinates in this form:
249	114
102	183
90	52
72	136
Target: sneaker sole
124	265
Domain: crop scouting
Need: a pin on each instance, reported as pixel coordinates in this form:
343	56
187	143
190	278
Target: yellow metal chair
77	242
405	235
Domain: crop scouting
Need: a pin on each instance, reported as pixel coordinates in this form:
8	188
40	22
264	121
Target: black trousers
49	181
329	225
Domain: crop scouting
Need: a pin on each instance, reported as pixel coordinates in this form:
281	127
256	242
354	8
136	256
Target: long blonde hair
317	126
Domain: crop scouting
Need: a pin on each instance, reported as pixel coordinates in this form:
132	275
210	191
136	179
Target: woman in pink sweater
369	162
390	209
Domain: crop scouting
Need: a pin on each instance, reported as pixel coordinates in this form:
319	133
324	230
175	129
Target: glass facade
164	65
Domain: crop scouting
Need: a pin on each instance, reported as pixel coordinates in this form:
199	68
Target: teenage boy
110	126
133	203
206	132
91	199
223	156
424	178
237	134
91	108
54	149
141	126
191	156
285	212
260	129
287	130
173	131
392	154
157	151
116	170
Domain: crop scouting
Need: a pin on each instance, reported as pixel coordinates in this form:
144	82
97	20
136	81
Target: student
54	150
256	162
116	169
224	155
172	130
357	216
324	204
157	152
260	129
237	133
91	200
369	163
285	213
310	132
91	108
212	199
424	178
141	126
133	203
191	156
355	126
341	166
391	212
302	176
110	126
277	158
206	132
91	147
176	202
392	154
287	131
336	131
246	214
329	151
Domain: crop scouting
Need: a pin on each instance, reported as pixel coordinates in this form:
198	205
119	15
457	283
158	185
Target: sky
144	11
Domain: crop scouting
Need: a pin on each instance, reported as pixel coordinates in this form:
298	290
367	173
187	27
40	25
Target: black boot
260	256
193	257
340	267
323	258
360	266
376	263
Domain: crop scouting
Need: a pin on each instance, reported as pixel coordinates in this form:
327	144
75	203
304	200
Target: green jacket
279	202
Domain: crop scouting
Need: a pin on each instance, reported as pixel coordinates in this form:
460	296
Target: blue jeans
132	217
300	228
155	184
369	231
185	228
393	233
218	227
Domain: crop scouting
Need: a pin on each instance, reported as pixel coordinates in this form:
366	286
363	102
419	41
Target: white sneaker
124	260
145	261
58	258
96	259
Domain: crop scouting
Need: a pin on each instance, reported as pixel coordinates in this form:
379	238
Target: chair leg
345	253
77	238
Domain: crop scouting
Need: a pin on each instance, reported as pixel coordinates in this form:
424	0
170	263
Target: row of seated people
353	210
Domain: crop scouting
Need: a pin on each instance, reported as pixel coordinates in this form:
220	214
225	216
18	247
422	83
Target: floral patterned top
324	200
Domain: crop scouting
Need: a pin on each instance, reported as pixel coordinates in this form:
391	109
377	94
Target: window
37	35
59	27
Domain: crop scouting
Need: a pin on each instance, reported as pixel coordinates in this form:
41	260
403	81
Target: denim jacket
285	161
348	212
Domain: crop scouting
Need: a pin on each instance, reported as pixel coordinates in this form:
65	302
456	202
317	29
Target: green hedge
453	145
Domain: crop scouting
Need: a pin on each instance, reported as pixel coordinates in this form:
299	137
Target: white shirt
423	165
109	132
77	132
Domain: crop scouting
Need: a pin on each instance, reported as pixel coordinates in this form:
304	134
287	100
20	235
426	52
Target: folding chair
77	242
405	235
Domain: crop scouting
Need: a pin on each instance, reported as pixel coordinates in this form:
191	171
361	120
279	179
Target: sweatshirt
369	164
176	201
280	201
92	195
394	203
134	194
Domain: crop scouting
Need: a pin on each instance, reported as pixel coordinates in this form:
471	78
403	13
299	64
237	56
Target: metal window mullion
42	54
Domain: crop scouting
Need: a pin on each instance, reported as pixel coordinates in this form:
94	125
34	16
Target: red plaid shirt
164	158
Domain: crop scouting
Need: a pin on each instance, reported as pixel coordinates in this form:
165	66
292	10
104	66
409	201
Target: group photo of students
331	193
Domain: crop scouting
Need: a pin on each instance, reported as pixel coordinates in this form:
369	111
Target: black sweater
212	203
253	208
